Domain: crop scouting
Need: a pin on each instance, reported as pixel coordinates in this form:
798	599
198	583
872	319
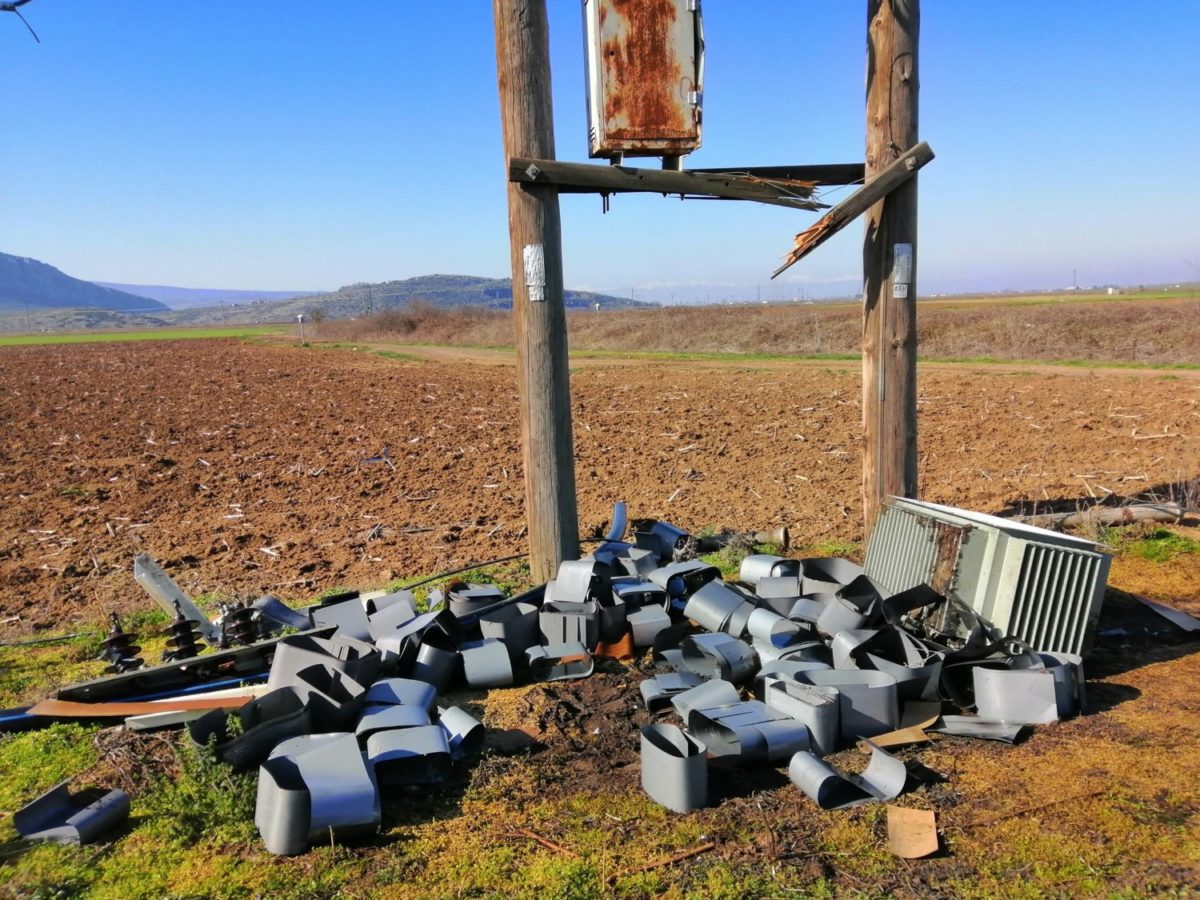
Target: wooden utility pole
523	74
890	261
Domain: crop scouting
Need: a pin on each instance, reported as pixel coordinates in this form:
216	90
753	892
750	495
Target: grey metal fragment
682	579
715	692
646	623
436	662
410	756
515	625
674	768
382	718
60	817
405	691
263	723
333	696
357	659
748	730
807	609
759	566
815	707
712	606
388	619
718	656
486	663
350	617
658	690
771	628
473	597
867	700
843	614
464	733
978	727
274	609
1031	696
831	569
562	623
883	780
314	788
560	662
377	604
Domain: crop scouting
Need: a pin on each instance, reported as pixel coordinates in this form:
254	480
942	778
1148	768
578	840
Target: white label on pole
901	270
535	272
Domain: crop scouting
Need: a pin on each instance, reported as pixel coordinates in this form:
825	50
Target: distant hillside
25	281
444	291
189	298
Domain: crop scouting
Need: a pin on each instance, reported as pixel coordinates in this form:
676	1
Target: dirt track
248	468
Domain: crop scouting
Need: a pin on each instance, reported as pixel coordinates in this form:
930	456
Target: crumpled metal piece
658	690
674	768
749	731
718	656
410	756
883	780
560	662
60	817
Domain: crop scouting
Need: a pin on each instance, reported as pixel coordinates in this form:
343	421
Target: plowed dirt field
251	468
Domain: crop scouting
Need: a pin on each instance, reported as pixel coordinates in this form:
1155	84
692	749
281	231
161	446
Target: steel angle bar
182	676
263	723
516	626
402	691
674	768
271	607
713	693
560	662
831	568
759	566
333	696
159	585
463	601
562	623
807	609
410	756
486	663
771	628
464	733
350	617
60	817
867	700
718	656
658	690
682	579
713	605
636	593
749	731
978	727
884	779
816	708
314	788
1016	696
646	624
383	718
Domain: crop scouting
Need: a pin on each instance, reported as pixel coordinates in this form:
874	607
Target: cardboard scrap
912	833
917	716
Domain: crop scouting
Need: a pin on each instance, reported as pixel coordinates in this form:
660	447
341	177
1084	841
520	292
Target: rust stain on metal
947	539
643	70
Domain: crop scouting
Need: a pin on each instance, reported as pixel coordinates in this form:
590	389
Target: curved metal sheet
674	768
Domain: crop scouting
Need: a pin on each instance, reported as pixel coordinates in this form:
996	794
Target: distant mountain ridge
26	282
188	298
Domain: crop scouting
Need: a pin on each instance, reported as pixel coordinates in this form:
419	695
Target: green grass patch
158	334
1159	545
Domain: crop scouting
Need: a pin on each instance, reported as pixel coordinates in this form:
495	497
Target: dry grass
1134	331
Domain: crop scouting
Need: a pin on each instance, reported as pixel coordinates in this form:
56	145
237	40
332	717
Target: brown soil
248	468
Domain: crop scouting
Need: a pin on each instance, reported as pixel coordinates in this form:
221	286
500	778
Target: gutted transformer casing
645	66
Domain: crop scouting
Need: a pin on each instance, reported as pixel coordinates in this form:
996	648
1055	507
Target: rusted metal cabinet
645	67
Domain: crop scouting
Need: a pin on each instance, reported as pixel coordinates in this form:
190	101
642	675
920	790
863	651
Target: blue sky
280	144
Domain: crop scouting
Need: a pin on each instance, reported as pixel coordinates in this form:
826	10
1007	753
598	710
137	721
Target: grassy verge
163	334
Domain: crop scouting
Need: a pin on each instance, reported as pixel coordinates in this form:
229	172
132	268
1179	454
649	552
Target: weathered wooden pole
523	74
890	261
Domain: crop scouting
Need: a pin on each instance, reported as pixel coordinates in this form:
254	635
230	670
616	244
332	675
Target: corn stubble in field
1134	331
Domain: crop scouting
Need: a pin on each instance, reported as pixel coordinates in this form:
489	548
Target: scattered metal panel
883	780
159	585
472	598
682	579
60	817
487	663
516	626
772	628
314	788
646	624
758	567
562	623
436	660
809	609
388	619
263	723
830	570
635	593
350	617
718	656
867	700
1033	696
714	605
979	727
749	731
674	768
464	733
384	718
560	662
716	692
1041	586
402	691
813	706
840	614
645	62
272	608
658	690
410	756
296	652
333	696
